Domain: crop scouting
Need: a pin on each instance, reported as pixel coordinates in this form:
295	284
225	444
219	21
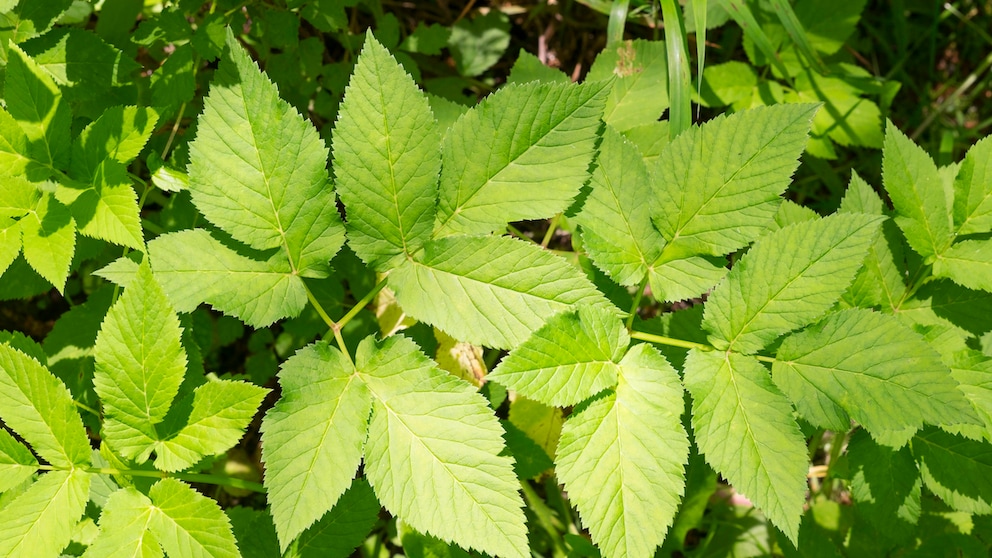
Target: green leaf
639	93
943	302
973	371
829	24
539	139
885	483
386	159
432	455
530	68
476	44
312	438
571	358
685	278
49	240
39	521
788	279
622	458
968	263
188	524
10	242
341	530
794	28
727	83
140	364
17	463
257	168
194	267
255	532
679	80
870	367
124	528
616	223
108	208
119	135
221	411
718	185
491	291
745	428
14	151
914	186
35	102
957	470
973	190
38	407
742	14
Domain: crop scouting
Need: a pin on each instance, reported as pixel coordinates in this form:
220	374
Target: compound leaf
386	159
194	267
257	168
491	291
718	185
522	153
973	190
432	455
870	367
40	521
968	263
189	524
38	407
571	358
312	438
745	428
633	445
124	528
788	279
914	186
221	411
140	364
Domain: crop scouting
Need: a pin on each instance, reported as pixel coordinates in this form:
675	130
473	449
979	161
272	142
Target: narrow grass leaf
571	358
745	428
787	17
194	267
718	186
876	370
788	279
40	521
633	444
741	13
522	153
38	407
258	169
386	159
914	186
432	455
189	524
967	263
973	190
679	80
312	438
491	291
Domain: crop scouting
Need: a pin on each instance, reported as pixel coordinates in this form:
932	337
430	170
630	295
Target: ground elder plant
863	333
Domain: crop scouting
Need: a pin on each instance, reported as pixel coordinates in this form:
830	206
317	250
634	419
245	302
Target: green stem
86	408
519	234
189	477
543	514
320	309
551	231
673	342
365	300
637	302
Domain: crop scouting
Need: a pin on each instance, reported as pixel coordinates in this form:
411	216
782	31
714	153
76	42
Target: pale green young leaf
38	407
685	278
432	455
257	168
17	463
867	366
49	240
914	186
885	483
616	223
189	524
536	142
718	185
140	362
10	242
386	159
880	282
788	279
125	528
119	134
491	291
967	263
39	522
107	207
341	530
194	267
14	150
18	197
745	428
956	469
221	411
973	190
571	358
622	458
35	102
312	438
640	89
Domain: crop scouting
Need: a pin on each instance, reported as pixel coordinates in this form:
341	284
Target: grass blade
679	82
